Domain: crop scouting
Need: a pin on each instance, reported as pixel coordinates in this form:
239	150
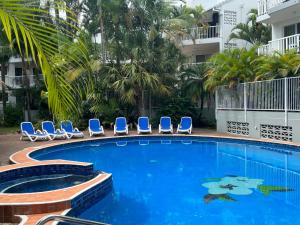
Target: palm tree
132	81
231	67
278	65
252	31
27	22
193	80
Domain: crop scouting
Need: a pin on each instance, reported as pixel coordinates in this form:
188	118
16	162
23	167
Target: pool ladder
67	219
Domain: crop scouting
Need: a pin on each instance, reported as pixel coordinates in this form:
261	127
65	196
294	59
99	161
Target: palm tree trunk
26	84
201	105
3	87
99	3
141	104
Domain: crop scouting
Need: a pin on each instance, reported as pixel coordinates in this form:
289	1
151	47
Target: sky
205	3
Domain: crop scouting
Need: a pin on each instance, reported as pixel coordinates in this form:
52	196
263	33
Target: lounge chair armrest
40	132
76	129
59	130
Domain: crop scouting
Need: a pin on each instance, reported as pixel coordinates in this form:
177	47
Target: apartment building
213	37
284	17
15	79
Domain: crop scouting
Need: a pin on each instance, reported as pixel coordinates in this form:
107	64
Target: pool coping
24	155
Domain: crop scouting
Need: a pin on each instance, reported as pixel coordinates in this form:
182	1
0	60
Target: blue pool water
191	181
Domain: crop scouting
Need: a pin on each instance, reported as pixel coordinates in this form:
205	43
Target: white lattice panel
276	132
239	128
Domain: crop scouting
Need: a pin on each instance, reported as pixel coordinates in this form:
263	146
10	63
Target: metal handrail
67	219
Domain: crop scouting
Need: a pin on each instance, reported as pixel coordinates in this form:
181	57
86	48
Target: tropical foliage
32	30
252	31
231	67
278	65
241	65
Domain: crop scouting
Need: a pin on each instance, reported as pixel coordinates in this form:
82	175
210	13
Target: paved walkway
11	143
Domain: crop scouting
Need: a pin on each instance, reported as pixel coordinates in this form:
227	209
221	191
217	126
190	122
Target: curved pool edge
23	156
51	201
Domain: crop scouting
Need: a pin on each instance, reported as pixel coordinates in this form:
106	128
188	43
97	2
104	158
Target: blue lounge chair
185	125
143	125
121	126
95	127
67	127
165	125
48	128
28	131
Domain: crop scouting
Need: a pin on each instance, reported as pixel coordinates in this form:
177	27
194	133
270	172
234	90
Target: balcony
281	45
275	11
264	6
16	82
201	34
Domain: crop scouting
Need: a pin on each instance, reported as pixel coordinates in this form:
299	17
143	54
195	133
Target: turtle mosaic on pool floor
223	188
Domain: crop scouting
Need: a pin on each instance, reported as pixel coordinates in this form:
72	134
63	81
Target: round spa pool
43	183
190	180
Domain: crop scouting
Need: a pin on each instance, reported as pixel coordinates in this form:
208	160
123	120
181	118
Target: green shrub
175	108
13	116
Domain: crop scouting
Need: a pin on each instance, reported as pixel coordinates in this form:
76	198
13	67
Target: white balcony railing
20	81
265	5
202	33
281	45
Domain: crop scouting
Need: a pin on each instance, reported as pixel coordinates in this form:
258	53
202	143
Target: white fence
202	33
265	5
274	95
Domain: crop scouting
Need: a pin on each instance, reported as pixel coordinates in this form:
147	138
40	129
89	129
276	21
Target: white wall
232	13
277	28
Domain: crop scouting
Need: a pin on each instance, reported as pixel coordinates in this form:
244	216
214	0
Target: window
298	28
200	58
289	30
18	72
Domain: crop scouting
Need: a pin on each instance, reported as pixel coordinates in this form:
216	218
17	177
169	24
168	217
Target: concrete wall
256	118
278	28
237	10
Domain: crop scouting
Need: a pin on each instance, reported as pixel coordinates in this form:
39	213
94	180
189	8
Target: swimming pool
190	180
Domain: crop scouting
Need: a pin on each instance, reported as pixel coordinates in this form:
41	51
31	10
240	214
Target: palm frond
35	33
